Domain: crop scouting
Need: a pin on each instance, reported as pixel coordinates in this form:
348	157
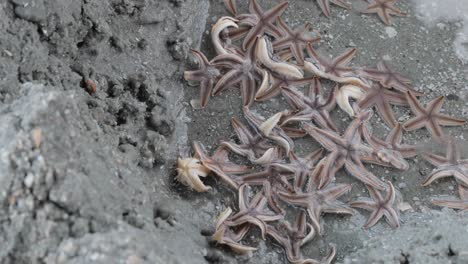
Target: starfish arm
446	120
221	155
231	6
363	203
375	216
337	208
293	132
443	173
463	191
341	3
386	112
434	128
392	218
332	193
435	159
363	175
325	6
228	80
346	57
395	136
415	123
243	133
327	139
248	91
451	203
227	60
415	105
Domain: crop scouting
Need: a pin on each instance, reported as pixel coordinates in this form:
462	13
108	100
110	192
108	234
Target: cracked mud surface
87	177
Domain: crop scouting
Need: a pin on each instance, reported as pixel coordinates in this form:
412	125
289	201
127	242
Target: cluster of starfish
270	61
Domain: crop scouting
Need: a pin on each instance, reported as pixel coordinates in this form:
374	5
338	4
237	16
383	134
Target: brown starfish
319	201
261	22
279	83
206	75
294	40
243	70
292	238
269	129
219	164
389	78
390	152
345	151
381	98
429	116
301	167
384	8
450	165
272	179
380	206
227	236
337	66
253	145
325	5
312	107
253	212
461	204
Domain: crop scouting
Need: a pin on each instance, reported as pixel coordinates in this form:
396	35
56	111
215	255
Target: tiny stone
415	198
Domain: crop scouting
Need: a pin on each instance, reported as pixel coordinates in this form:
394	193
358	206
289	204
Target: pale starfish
380	206
381	98
429	116
219	164
189	171
294	40
460	204
450	165
253	212
312	107
292	238
344	94
261	22
206	75
319	201
389	78
345	151
226	236
384	8
325	5
222	25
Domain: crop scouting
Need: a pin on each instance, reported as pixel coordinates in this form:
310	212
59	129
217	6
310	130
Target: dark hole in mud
404	259
450	252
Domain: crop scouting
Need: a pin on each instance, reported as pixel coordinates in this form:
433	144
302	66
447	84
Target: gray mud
87	176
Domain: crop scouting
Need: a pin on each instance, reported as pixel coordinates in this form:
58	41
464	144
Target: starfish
242	69
381	98
261	22
390	152
384	8
461	204
254	146
344	94
219	164
294	40
312	107
450	165
301	167
345	151
429	116
206	75
319	201
270	129
280	83
389	78
336	67
380	206
226	236
272	179
253	212
223	47
189	171
292	238
325	5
